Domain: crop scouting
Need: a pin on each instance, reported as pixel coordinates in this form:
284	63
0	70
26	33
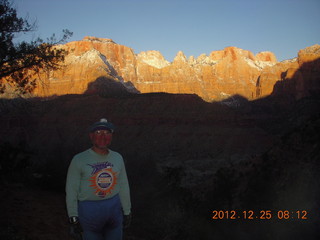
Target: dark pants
101	220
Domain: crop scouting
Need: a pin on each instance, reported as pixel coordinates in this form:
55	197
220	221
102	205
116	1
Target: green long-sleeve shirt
95	177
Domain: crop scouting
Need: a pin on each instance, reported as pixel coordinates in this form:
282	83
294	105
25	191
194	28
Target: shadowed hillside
185	158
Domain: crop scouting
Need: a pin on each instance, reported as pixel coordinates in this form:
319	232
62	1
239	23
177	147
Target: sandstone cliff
217	76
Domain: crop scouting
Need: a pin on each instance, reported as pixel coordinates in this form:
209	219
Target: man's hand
127	220
75	229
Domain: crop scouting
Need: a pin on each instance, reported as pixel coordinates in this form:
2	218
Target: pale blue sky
192	26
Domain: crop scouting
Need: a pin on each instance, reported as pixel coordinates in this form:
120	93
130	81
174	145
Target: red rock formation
266	56
220	75
272	74
306	80
298	77
88	60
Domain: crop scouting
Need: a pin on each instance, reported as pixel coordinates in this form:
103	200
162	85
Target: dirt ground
32	214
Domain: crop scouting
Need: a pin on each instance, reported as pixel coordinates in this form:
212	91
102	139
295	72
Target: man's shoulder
82	154
115	154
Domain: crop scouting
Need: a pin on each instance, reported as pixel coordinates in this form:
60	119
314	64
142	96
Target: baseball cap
101	125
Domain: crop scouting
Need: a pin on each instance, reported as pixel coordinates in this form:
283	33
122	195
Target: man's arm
72	188
124	193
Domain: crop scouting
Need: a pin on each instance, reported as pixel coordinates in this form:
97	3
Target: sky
192	26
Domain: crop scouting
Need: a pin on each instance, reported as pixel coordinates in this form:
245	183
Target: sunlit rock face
216	76
89	60
153	58
298	77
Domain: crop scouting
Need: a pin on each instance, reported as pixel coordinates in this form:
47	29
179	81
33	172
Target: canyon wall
216	76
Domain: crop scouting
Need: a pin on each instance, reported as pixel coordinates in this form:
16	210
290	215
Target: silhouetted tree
20	61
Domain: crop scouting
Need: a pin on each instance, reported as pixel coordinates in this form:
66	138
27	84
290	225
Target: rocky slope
185	158
217	76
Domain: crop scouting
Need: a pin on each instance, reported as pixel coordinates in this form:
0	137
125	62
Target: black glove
75	229
126	220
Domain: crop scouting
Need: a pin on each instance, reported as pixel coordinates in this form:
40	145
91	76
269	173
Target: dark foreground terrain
185	158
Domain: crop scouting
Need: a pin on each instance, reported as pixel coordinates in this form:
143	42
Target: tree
19	62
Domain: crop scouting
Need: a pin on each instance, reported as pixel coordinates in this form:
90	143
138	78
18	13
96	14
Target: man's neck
101	151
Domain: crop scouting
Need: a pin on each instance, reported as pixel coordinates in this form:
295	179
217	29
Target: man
97	189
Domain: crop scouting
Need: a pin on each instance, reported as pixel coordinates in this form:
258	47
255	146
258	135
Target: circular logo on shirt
103	182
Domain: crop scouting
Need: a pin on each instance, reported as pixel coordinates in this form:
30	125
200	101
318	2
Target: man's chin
101	147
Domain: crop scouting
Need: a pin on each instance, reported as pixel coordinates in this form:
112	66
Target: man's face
101	139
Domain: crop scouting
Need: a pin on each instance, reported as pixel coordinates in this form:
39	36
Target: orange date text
259	214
